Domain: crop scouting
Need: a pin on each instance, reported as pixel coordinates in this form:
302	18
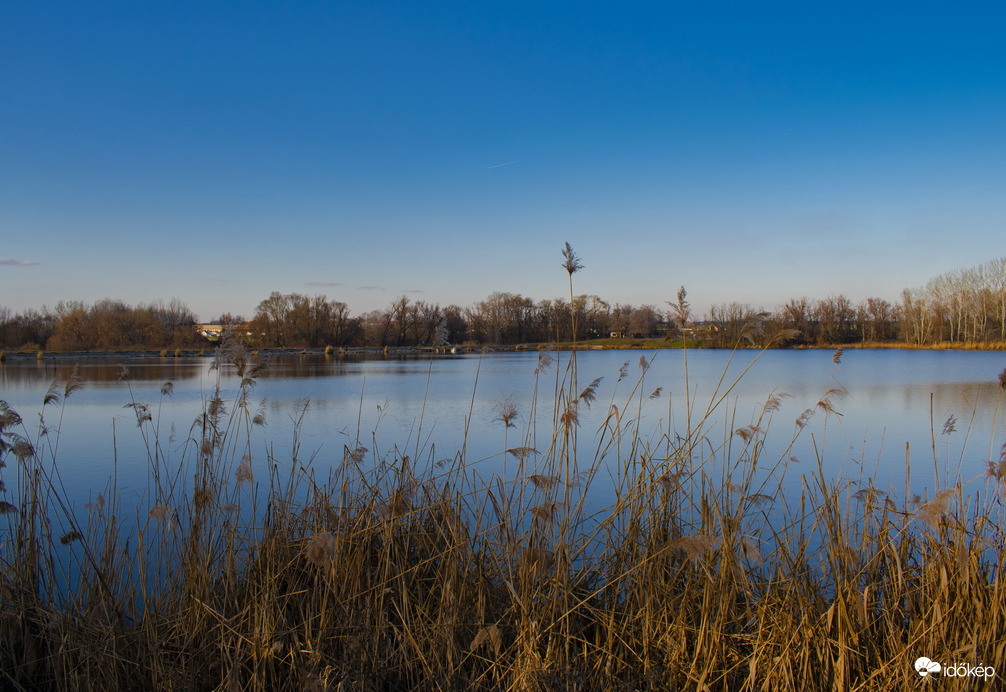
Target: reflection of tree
94	369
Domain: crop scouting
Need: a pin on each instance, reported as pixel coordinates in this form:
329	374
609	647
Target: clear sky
751	151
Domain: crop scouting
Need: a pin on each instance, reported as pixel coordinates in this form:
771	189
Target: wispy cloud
370	288
499	165
8	262
326	284
412	290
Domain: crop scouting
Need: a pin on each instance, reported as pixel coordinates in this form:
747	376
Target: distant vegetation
108	325
963	307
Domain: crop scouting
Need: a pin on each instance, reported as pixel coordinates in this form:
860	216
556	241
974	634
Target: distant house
210	332
213	332
617	335
701	330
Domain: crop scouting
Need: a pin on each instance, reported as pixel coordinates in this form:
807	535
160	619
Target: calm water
891	398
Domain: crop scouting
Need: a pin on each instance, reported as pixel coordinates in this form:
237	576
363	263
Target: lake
429	408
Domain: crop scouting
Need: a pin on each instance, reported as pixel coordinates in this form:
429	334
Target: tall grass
384	572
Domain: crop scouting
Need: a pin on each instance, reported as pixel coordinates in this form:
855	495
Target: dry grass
990	345
701	575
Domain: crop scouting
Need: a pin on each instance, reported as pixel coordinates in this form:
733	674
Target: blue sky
216	152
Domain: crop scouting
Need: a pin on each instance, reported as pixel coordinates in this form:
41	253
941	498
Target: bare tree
271	319
996	273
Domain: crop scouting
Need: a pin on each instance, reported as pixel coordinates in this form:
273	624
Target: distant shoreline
334	352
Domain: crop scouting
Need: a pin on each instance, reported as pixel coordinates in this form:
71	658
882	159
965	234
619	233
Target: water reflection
428	407
27	373
32	374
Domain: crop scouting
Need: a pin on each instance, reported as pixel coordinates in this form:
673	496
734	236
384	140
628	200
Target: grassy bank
654	344
936	346
376	571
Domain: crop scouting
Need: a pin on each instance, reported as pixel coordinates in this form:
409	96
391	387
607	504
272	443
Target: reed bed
384	572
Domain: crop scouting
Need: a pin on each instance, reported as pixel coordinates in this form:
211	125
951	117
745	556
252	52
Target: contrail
500	165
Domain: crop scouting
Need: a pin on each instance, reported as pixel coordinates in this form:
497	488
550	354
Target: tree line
107	325
963	306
